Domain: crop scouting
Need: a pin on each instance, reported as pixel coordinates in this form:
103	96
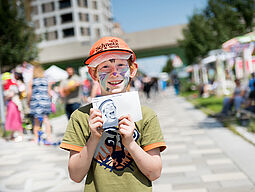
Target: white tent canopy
55	74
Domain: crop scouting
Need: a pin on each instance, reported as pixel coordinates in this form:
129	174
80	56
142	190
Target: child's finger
124	121
94	113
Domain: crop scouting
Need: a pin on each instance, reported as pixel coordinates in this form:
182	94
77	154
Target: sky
138	15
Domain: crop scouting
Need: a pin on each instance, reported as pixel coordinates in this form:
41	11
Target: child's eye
122	65
104	67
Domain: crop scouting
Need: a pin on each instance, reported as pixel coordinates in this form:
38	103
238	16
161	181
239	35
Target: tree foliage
168	67
220	21
17	38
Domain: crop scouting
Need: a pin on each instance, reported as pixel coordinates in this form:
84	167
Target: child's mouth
114	83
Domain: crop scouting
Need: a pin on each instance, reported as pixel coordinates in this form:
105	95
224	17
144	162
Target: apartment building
59	22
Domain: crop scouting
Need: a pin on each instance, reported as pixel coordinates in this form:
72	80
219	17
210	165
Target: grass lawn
213	105
210	105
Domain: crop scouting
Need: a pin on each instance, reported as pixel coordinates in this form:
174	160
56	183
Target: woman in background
39	101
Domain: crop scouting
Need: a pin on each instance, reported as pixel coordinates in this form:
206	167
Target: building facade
59	22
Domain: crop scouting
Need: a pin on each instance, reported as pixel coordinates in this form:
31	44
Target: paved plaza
202	156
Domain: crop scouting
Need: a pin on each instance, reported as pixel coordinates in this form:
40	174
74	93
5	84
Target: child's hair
38	71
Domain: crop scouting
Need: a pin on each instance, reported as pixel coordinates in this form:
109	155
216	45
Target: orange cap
106	45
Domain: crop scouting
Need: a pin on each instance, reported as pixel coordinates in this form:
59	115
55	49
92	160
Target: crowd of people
30	98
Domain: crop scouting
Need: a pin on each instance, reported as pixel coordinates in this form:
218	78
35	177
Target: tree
220	21
17	38
169	66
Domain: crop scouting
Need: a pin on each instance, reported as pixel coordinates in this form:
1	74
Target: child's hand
95	123
126	128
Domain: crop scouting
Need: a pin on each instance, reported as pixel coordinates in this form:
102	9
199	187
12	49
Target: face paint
107	74
102	78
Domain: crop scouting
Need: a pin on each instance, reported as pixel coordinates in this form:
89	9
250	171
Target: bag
53	107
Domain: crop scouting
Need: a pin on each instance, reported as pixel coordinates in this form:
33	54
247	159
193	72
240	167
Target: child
126	159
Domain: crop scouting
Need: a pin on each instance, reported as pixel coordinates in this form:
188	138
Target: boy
124	159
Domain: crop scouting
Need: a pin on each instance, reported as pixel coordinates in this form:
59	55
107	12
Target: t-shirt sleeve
152	136
77	132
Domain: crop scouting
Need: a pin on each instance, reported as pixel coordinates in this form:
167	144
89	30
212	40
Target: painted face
113	76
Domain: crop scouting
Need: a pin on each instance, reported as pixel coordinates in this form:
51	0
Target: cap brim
93	57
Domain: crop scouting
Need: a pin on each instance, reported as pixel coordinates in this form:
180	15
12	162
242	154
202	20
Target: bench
245	115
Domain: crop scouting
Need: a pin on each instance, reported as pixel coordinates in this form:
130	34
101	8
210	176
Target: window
68	32
49	36
63	4
82	3
87	17
34	10
66	18
85	31
37	24
94	5
48	7
49	21
96	18
97	32
84	17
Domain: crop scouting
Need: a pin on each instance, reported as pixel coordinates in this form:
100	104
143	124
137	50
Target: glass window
96	18
94	5
85	31
37	24
84	17
97	32
34	10
49	36
66	18
63	4
48	7
49	21
69	32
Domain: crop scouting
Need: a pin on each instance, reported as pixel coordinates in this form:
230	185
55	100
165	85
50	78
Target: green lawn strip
213	105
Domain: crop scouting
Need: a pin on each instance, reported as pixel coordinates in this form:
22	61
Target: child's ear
93	73
133	70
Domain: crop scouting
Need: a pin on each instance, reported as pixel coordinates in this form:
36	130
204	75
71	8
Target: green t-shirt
113	168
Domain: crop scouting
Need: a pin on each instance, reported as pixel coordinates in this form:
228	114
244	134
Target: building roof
155	38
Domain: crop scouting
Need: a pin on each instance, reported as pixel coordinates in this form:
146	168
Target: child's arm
148	162
79	162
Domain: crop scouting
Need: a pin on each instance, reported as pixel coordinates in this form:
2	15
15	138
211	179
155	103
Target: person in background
125	157
235	100
22	93
70	91
146	85
14	107
176	84
86	90
251	97
39	101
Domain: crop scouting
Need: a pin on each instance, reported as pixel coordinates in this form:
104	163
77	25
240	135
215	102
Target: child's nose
114	71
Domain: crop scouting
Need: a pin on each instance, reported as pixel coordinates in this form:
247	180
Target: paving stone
219	161
206	151
237	183
177	169
204	142
224	177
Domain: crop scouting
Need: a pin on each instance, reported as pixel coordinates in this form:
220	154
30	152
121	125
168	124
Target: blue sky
138	15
